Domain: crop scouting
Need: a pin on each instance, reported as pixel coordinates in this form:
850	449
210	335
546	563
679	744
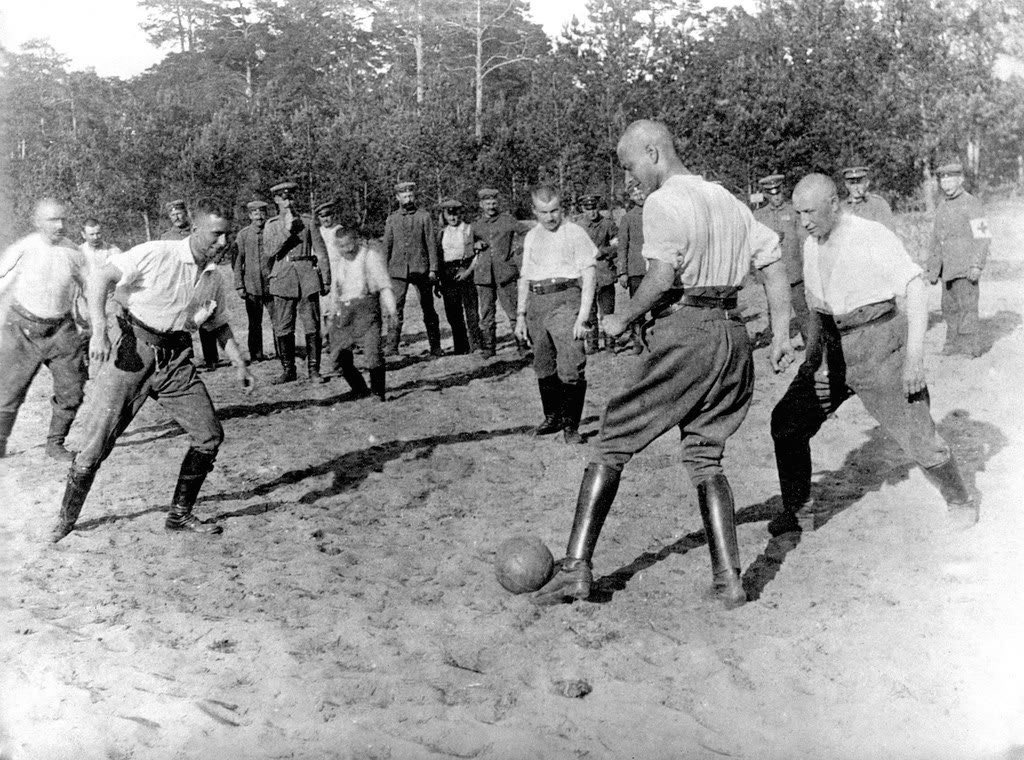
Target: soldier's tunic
497	269
299	264
252	281
873	207
785	222
631	260
410	248
959	241
601	232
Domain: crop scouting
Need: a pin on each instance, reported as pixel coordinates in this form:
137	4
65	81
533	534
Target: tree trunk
478	130
418	45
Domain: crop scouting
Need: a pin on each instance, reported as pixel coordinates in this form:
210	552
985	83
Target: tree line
349	96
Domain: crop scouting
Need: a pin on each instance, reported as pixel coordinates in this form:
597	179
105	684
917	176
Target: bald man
44	271
697	371
858	343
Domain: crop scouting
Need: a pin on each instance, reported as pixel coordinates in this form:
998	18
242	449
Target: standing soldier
556	291
632	265
601	230
862	203
300	271
496	269
697	374
457	289
252	276
410	246
45	273
959	247
362	293
167	288
779	216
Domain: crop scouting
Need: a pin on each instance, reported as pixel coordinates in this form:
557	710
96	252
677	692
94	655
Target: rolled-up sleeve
133	263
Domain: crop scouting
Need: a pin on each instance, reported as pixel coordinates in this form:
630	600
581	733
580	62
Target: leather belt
175	339
699	302
300	258
554	285
872	314
24	313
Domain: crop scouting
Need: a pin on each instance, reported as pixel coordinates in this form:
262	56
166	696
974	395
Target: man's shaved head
49	219
816	186
648	154
644	132
816	200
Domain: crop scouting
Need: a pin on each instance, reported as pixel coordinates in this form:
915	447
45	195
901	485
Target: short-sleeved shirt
562	254
45	278
704	233
162	286
861	263
361	275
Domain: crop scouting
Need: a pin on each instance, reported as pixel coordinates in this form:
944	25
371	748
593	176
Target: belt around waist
174	339
699	302
872	314
354	301
24	313
300	258
554	285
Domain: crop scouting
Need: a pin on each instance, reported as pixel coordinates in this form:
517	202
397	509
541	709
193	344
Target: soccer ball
523	564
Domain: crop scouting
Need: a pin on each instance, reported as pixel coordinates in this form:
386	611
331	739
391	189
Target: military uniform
631	261
959	244
869	206
784	221
455	243
252	280
601	232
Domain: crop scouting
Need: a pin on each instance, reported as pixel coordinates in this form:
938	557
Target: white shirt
162	285
564	253
44	277
359	276
861	263
454	240
707	235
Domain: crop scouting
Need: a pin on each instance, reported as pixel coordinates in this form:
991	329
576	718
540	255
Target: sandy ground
350	608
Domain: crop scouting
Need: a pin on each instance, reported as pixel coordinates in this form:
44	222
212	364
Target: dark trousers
285	311
356	323
26	345
425	292
633	283
208	344
868	362
697	375
489	296
135	371
549	320
800	313
960	310
460	308
254	306
604	301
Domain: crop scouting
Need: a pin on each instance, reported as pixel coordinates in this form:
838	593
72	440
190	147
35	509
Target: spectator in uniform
632	265
862	203
778	215
854	270
601	230
168	287
252	276
957	253
45	273
328	225
556	290
456	280
697	374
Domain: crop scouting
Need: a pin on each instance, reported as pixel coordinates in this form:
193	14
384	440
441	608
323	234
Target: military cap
405	187
171	205
855	172
284	185
953	167
772	181
322	207
451	203
253	205
590	200
487	192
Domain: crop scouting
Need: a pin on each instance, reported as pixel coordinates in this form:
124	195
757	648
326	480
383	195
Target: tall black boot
286	354
793	461
574	576
487	342
6	426
60	424
551	402
75	491
314	350
717	513
962	509
194	469
434	339
573	396
377	375
352	375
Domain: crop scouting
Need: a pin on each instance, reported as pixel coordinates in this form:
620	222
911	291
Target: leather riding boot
286	353
75	491
717	512
574	576
793	461
434	340
551	402
59	426
314	350
6	426
194	469
488	341
377	375
352	375
391	343
573	396
962	509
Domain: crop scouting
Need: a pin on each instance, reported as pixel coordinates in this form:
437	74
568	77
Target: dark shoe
551	402
572	580
436	352
189	523
286	354
717	512
962	509
194	469
59	427
377	382
75	491
314	349
57	451
573	397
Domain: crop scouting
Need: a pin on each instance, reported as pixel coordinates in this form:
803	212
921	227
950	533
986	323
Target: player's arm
588	285
777	289
660	278
522	302
97	288
917	326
